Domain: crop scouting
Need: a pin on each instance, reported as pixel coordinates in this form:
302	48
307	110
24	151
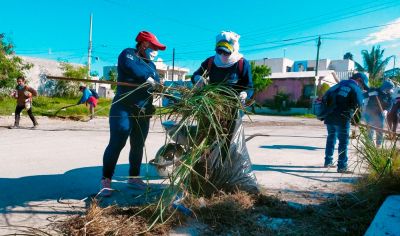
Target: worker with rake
132	109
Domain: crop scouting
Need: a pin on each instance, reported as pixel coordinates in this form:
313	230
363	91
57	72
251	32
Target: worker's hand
151	81
242	97
14	94
157	87
199	81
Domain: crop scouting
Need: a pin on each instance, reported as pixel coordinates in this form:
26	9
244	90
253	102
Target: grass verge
48	106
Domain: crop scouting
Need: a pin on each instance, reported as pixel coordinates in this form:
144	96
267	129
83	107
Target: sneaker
106	189
14	127
137	183
344	171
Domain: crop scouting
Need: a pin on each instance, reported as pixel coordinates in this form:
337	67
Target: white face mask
150	54
224	59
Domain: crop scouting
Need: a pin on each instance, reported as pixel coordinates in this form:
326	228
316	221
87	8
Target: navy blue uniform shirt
349	97
132	69
231	75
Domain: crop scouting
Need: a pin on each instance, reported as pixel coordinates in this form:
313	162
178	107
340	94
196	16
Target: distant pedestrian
348	96
132	109
379	103
88	97
393	116
23	93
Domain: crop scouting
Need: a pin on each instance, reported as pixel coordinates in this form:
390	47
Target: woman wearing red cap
131	111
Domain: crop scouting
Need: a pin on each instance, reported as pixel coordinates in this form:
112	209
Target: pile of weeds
114	220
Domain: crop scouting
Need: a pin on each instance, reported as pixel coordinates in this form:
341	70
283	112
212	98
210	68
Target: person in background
393	116
379	102
89	98
23	93
132	109
348	98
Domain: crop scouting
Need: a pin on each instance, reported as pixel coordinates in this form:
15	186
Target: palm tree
374	64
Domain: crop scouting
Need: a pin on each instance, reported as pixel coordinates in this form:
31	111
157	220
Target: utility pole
316	67
173	63
316	76
90	45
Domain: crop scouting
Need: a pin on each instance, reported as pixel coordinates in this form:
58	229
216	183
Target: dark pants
125	122
340	132
18	111
393	120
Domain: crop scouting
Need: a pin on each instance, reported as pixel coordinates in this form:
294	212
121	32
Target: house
165	71
297	79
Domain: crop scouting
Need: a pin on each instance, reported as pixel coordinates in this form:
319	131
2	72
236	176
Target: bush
281	101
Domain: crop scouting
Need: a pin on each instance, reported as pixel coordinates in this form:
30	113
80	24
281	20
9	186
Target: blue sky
60	29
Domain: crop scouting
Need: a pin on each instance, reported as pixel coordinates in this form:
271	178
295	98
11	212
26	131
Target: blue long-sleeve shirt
132	69
378	101
349	97
85	96
239	80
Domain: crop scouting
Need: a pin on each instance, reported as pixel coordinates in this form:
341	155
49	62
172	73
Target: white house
297	78
165	71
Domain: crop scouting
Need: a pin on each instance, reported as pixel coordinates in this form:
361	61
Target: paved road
49	172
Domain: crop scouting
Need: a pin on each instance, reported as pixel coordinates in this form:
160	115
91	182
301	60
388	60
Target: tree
374	64
11	66
348	56
69	88
112	74
260	79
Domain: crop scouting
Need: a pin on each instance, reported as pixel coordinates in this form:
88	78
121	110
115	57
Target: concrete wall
276	64
342	65
323	64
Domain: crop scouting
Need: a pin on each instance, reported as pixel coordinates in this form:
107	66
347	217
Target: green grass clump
48	106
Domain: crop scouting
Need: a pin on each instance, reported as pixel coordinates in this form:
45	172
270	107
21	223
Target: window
288	68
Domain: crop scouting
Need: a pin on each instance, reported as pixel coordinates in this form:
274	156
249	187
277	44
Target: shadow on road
324	175
309	148
78	184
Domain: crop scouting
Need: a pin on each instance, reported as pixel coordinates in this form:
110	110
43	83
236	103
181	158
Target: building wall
292	86
41	67
276	64
342	65
323	64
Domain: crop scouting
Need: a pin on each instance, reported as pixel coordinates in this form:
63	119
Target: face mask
224	59
20	87
150	54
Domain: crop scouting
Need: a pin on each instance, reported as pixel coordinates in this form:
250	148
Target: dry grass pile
114	220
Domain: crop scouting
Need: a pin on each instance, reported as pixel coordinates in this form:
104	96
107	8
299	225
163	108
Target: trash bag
226	171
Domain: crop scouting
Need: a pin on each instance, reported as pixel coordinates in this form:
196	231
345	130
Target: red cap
145	36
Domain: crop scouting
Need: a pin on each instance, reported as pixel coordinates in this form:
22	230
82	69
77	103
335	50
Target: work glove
199	81
242	97
151	81
157	87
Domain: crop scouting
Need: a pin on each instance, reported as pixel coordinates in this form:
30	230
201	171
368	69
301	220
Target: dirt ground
50	172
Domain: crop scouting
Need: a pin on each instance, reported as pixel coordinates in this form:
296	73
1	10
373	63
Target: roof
303	74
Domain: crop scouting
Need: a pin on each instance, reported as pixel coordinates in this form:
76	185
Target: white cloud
394	45
388	33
